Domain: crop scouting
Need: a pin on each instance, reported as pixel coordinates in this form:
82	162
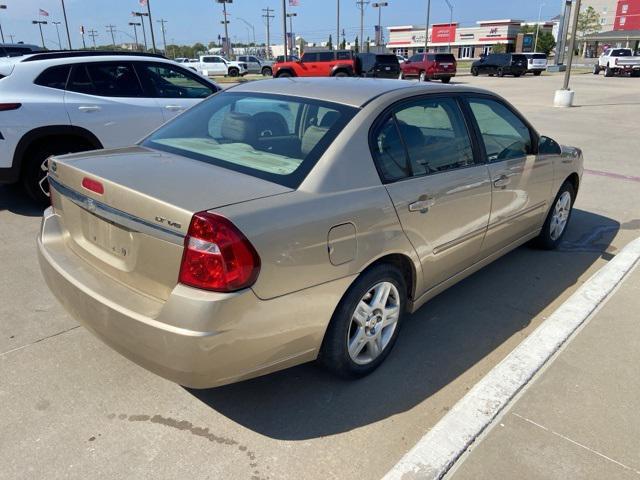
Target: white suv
63	102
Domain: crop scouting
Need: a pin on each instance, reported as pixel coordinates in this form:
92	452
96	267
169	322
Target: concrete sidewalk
580	417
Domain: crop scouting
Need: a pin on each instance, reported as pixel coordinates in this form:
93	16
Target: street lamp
290	16
253	30
450	20
144	33
40	23
535	47
58	34
426	29
379	6
2	7
135	32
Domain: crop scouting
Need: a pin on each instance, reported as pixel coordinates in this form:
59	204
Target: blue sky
190	21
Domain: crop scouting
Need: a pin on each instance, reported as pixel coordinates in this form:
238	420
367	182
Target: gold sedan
290	220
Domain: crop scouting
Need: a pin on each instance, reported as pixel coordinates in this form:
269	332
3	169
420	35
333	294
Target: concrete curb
435	453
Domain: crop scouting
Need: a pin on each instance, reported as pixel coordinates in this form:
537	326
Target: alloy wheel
373	323
560	216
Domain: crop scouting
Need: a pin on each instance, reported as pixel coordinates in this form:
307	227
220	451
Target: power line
267	16
93	34
361	4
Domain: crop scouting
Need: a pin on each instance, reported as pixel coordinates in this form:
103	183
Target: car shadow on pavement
14	199
445	338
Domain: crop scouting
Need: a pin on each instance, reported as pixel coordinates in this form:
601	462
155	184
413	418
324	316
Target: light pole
66	24
450	21
2	7
379	6
426	29
135	32
284	28
40	23
144	33
267	16
338	25
227	45
162	21
361	4
293	40
58	34
535	47
253	30
153	37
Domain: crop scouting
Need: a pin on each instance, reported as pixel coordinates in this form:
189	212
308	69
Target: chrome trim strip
459	240
114	215
517	215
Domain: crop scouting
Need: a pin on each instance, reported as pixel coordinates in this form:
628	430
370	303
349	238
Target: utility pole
144	33
227	44
572	42
153	38
535	46
93	34
58	34
135	32
40	23
338	25
66	24
379	6
111	30
84	45
450	21
3	7
361	4
267	15
426	31
290	16
162	21
284	27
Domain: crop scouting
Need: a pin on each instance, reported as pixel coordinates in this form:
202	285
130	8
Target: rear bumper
439	75
195	338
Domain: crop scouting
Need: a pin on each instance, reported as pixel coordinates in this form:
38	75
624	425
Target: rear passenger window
54	77
505	136
114	79
80	81
325	56
343	56
424	137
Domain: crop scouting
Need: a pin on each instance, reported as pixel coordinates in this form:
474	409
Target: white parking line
435	453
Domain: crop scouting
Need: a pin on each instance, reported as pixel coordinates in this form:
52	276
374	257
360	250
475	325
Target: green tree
546	42
499	48
588	24
330	43
343	44
199	48
356	46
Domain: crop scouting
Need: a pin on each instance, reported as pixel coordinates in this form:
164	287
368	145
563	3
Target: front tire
608	72
341	73
555	225
500	72
234	72
596	69
366	323
474	71
283	75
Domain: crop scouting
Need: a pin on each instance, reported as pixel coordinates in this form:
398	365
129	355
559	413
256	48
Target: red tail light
9	106
93	185
217	256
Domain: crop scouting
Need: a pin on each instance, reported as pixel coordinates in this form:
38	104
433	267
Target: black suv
378	65
500	64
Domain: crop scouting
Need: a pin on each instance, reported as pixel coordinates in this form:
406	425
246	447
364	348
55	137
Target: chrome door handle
501	181
174	108
422	205
89	108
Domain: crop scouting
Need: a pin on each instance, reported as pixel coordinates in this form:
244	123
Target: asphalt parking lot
70	407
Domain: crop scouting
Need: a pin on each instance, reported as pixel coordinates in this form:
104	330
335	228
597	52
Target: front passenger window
505	136
113	79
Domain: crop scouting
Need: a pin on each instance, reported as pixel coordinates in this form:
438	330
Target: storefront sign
443	33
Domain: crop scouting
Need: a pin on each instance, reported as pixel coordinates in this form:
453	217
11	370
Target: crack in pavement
2	354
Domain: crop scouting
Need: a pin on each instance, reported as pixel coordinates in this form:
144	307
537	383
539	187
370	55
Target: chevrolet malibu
290	220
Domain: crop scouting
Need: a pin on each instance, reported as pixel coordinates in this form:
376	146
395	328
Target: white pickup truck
212	65
618	61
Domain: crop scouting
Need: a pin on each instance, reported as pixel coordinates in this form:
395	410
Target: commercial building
620	26
463	42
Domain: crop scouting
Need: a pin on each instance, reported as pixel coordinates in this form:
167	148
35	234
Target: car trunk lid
134	230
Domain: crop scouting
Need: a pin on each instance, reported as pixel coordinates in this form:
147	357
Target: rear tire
362	331
500	72
474	71
608	72
341	73
35	169
445	79
516	75
596	69
537	73
555	225
267	72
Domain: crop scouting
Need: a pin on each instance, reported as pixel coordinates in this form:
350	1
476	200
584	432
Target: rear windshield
518	58
444	57
539	56
621	53
274	137
387	59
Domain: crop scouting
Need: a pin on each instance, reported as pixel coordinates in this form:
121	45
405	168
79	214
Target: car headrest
270	124
329	119
311	137
239	127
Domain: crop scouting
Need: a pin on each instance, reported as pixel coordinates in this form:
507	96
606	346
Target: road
72	408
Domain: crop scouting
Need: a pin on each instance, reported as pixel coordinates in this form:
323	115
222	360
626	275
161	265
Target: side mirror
548	146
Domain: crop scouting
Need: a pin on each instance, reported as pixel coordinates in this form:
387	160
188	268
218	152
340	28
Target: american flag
294	3
43	13
143	3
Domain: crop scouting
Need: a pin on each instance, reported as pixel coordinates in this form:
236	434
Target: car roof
354	91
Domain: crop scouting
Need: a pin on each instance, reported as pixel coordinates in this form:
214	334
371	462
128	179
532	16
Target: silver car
290	220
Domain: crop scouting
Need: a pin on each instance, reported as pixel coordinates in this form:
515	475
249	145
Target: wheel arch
35	137
574	180
290	71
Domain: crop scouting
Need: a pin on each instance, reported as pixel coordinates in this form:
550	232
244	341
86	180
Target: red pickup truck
430	66
340	63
